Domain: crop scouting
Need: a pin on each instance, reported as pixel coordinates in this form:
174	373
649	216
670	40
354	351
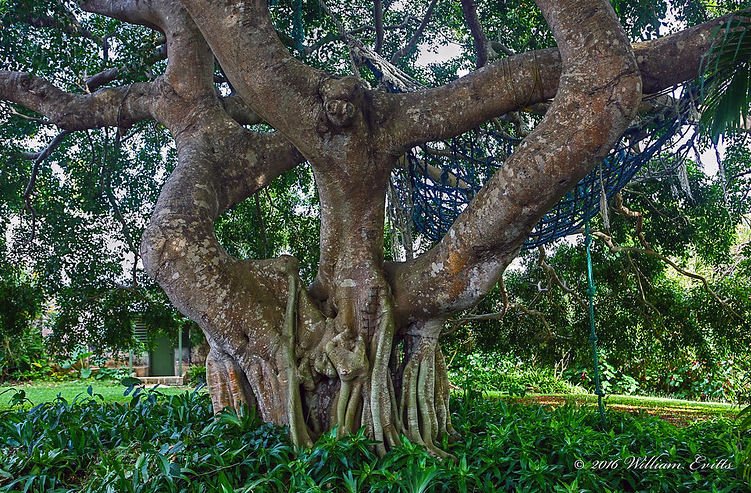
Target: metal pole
180	351
593	335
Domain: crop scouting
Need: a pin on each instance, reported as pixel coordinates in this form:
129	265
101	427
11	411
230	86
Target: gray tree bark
359	347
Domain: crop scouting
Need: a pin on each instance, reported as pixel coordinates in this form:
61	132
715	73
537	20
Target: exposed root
423	403
349	381
227	382
297	428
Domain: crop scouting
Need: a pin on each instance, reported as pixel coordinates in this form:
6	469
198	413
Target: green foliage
197	375
726	83
158	443
506	374
652	322
21	347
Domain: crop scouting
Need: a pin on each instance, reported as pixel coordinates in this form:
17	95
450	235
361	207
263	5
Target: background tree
359	345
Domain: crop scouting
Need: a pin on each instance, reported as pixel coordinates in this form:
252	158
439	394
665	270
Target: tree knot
342	100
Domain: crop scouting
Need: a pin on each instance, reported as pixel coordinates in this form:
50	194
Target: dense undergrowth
158	443
680	378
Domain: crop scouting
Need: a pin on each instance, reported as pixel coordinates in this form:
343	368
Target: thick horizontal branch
131	11
120	106
522	80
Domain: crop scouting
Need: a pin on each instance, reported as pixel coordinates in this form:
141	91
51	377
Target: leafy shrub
155	444
22	352
197	375
485	371
681	377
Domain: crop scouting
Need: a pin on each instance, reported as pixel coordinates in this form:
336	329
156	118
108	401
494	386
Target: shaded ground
678	412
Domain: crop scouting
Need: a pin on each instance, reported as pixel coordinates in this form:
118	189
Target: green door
162	358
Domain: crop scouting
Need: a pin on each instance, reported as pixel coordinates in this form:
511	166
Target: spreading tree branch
105	107
412	43
522	80
598	96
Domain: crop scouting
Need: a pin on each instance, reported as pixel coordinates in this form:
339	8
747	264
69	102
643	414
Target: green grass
39	392
635	400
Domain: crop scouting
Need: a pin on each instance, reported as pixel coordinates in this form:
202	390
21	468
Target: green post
130	352
593	335
180	351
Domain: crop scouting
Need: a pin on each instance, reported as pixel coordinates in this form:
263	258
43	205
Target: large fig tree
358	346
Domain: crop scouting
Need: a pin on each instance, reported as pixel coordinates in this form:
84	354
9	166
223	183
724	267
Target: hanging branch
412	43
646	249
506	307
39	158
259	213
482	47
553	277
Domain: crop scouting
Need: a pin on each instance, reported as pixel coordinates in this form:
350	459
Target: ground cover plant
155	442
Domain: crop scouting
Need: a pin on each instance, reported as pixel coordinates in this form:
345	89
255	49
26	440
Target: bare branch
378	16
482	46
522	80
412	43
554	279
106	76
106	107
39	158
40	121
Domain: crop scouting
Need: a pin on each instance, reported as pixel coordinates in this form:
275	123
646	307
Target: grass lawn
677	411
674	410
38	392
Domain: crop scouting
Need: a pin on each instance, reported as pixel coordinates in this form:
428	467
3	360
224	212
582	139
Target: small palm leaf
726	77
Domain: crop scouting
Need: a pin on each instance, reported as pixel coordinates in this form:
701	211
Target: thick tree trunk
359	347
346	352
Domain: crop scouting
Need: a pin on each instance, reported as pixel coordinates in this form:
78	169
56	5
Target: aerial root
228	385
424	397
